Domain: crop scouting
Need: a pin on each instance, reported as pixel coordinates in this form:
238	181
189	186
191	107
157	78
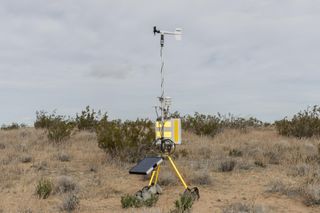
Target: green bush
202	124
12	126
44	119
44	188
303	124
129	140
129	201
211	125
60	129
89	119
184	204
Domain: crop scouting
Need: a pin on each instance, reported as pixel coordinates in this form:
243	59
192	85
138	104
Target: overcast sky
247	57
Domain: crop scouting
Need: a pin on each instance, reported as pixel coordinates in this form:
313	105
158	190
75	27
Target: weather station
167	137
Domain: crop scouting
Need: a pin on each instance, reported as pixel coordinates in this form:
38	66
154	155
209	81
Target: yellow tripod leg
152	176
178	173
157	175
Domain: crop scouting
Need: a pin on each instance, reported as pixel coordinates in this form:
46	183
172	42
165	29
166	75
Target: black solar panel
146	165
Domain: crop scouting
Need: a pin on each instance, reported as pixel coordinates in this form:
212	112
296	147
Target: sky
245	57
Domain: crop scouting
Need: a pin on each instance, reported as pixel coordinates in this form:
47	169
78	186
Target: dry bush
65	184
25	158
301	169
244	208
235	153
70	203
63	157
279	187
311	194
202	178
226	165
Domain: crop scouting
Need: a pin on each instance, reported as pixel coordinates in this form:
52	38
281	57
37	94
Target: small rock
153	190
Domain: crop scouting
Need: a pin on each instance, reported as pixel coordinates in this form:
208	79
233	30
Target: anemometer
168	135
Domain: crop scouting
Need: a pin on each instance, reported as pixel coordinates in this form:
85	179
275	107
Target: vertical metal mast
161	99
164	101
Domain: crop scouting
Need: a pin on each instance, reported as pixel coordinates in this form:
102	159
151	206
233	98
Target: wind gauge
168	135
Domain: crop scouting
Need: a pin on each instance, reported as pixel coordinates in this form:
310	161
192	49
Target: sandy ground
101	182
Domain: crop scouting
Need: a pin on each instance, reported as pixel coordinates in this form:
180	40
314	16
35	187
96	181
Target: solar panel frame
146	165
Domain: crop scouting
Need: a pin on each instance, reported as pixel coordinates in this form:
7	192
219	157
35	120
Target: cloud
246	57
116	71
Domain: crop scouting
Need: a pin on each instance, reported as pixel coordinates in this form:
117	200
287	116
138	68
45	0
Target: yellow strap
178	173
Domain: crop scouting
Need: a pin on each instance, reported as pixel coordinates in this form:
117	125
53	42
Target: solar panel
146	165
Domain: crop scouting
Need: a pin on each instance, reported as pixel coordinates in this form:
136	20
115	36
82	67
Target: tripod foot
193	192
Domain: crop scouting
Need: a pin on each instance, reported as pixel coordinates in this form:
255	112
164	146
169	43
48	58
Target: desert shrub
63	157
70	203
129	201
300	169
201	124
183	204
240	207
232	122
303	124
60	129
65	184
129	140
44	188
226	165
211	125
44	119
272	157
311	194
25	158
260	163
278	186
235	153
89	119
12	126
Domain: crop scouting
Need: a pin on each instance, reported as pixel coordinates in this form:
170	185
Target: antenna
165	102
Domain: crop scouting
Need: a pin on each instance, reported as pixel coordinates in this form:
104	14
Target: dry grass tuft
202	178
